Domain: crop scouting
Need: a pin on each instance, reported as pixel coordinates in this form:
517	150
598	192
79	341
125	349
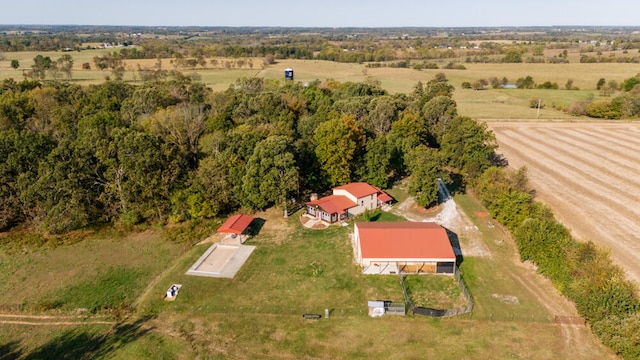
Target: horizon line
329	27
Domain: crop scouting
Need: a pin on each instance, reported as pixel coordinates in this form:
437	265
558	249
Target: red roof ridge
404	240
358	189
334	203
236	224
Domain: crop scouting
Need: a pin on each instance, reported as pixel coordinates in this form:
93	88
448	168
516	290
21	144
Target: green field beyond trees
572	72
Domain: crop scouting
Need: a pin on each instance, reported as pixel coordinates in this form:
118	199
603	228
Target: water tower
288	74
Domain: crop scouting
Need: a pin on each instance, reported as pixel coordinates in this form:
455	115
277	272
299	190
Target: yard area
293	271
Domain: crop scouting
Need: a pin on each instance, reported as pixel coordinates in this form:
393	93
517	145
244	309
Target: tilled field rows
589	173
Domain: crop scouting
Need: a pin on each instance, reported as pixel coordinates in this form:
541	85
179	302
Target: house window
371	196
361	202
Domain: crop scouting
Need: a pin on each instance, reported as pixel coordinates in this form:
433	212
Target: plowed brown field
589	174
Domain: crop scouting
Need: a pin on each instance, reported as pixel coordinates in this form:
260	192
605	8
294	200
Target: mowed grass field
37	275
483	104
258	314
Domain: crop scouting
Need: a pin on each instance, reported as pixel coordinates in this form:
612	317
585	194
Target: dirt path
450	217
575	337
50	320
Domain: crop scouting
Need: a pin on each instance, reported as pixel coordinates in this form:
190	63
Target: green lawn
258	314
103	270
312	270
436	292
515	103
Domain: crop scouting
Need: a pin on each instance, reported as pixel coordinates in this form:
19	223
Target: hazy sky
323	13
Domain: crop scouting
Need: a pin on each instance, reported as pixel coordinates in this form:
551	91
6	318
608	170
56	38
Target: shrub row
581	271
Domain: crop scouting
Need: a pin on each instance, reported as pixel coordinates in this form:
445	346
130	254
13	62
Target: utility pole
538	113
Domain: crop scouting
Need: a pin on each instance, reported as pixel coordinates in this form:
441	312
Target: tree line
625	104
172	150
581	271
343	45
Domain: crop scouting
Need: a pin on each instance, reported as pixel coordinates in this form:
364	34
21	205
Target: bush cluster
582	272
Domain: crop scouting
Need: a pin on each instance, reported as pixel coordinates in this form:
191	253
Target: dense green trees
271	173
20	154
181	126
65	196
426	165
630	83
377	165
439	112
512	55
339	142
468	146
139	170
171	150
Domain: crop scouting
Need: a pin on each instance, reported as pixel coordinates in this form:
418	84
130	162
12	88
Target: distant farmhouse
410	247
347	200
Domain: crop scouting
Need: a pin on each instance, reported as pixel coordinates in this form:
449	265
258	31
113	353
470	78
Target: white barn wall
388	265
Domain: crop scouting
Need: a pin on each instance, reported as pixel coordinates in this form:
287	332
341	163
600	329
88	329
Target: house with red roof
347	200
410	247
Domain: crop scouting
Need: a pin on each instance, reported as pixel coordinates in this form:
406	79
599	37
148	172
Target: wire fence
418	310
466	312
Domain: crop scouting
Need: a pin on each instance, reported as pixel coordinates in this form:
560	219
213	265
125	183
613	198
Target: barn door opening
445	267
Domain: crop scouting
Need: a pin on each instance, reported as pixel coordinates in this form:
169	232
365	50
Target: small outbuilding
376	308
288	74
236	226
410	247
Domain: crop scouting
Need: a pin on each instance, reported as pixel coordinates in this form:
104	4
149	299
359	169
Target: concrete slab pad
221	260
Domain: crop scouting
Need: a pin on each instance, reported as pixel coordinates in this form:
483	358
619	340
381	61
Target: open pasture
107	269
294	271
396	80
588	173
515	103
584	76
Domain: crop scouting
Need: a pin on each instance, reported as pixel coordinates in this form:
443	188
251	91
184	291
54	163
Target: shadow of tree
82	344
10	350
375	215
457	184
499	160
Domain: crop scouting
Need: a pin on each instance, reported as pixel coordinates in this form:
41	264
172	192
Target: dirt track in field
589	174
48	320
577	340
